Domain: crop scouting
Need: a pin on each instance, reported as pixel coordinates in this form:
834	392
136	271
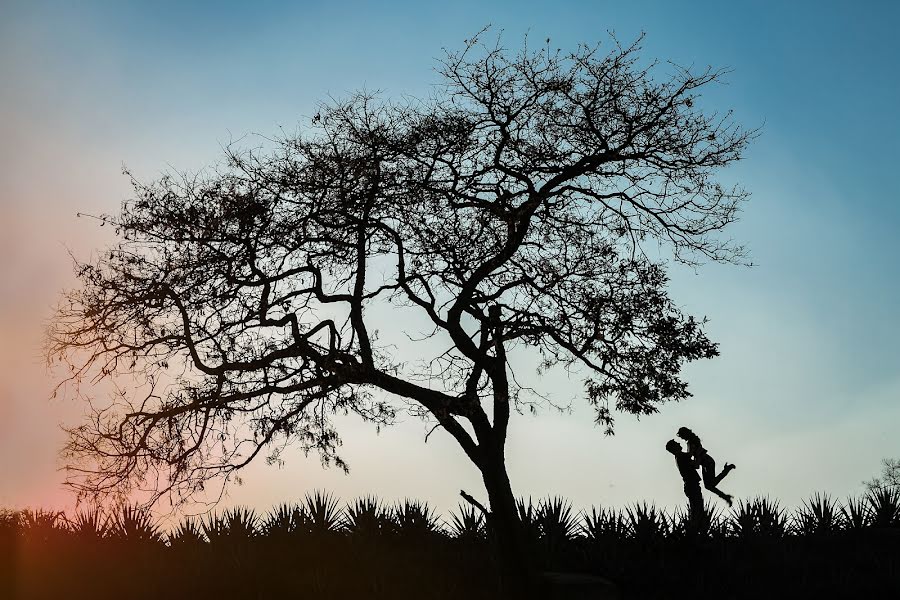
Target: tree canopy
531	201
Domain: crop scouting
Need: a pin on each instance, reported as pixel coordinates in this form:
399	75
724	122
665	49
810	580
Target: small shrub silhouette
856	514
647	524
884	507
604	525
41	525
235	526
286	520
818	516
556	521
187	534
709	523
759	518
10	523
90	524
324	516
528	520
771	518
467	525
414	519
133	524
367	518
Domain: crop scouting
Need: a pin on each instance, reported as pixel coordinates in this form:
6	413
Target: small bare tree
513	208
889	478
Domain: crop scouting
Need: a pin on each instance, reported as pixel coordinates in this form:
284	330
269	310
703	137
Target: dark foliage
367	518
884	506
134	525
416	520
467	525
755	550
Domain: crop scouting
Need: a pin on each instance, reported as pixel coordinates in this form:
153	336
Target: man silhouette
691	479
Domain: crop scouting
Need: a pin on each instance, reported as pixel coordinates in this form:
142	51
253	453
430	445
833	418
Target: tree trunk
508	539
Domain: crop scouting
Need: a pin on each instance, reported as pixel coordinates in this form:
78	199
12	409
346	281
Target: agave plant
188	533
818	516
528	519
884	506
10	523
714	521
647	524
416	519
367	518
856	514
708	522
134	524
90	524
742	520
606	525
467	525
41	525
771	518
555	520
760	517
236	525
323	512
285	520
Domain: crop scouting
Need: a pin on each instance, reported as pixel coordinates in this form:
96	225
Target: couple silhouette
689	461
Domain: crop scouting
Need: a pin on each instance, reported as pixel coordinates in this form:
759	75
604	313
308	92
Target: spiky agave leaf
884	506
680	522
771	518
714	520
604	525
238	524
760	517
818	516
10	523
555	520
188	533
468	524
709	522
416	519
742	522
367	517
325	516
41	525
134	524
647	523
285	520
90	524
528	519
215	528
856	512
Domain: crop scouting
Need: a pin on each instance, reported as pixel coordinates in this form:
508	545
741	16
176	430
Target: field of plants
321	548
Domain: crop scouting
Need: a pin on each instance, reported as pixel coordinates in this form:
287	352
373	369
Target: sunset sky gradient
806	394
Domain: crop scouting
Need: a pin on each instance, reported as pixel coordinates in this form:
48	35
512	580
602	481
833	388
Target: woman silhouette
706	463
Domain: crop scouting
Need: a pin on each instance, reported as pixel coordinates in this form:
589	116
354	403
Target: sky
805	396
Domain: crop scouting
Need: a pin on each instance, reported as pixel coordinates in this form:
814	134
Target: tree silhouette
529	202
889	478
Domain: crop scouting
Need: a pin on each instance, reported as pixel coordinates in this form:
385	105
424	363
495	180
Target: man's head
674	447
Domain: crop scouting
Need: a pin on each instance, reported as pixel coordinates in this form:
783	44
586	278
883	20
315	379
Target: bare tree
889	478
529	203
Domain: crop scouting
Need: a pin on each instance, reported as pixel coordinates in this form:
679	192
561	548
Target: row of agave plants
552	520
760	517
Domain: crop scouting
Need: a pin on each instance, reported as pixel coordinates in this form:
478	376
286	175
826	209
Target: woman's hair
689	435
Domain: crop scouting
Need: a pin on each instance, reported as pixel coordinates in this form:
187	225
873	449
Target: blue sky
806	394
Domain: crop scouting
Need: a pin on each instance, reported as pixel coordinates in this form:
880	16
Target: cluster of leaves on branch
512	208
